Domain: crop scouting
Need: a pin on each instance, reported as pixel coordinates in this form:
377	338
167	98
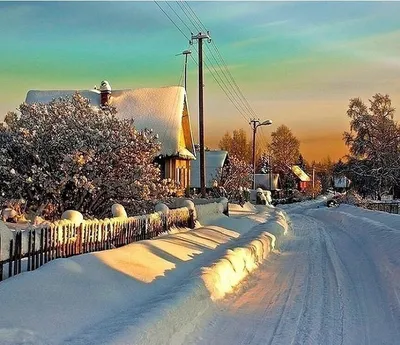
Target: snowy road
336	281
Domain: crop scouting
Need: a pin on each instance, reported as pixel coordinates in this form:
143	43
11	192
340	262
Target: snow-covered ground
334	280
104	297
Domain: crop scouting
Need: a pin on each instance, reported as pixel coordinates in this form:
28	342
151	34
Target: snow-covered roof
162	109
214	160
300	174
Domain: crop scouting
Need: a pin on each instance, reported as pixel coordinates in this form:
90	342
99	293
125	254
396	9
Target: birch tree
374	142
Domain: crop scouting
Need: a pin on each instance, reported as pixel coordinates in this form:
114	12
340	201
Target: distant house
269	182
302	179
164	110
341	182
214	162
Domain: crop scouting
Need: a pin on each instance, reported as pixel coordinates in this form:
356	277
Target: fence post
20	252
1	263
16	254
33	250
41	247
79	239
192	221
10	260
165	219
29	249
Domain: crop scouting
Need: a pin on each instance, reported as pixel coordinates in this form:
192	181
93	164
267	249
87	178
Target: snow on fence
27	250
383	206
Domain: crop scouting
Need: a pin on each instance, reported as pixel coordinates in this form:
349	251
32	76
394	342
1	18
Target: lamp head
266	123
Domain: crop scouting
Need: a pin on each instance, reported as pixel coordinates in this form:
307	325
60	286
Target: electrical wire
172	21
223	76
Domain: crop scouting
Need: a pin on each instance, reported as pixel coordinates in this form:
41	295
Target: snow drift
224	275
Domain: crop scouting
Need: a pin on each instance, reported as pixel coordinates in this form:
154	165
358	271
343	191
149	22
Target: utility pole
186	53
200	37
270	172
313	182
254	125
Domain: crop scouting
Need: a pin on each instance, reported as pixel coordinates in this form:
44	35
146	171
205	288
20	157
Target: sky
296	63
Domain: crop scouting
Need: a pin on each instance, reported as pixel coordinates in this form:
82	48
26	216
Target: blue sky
297	63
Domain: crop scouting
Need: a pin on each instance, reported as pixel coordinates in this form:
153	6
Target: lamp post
185	53
254	125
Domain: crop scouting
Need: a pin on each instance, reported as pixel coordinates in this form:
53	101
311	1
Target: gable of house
164	110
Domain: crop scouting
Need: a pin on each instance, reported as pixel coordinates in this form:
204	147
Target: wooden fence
29	249
385	207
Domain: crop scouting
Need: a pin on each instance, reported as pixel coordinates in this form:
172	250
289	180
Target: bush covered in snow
234	177
70	155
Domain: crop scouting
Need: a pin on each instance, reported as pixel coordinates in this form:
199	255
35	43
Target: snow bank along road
140	293
335	281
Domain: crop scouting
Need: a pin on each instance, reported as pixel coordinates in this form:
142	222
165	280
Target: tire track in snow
349	277
330	286
281	320
373	295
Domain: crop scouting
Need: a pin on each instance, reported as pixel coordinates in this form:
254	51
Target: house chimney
105	93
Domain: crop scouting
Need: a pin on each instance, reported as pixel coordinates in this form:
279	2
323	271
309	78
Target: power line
235	88
184	23
172	21
243	110
202	27
232	91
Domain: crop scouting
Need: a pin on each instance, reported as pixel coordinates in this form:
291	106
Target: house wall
178	170
302	185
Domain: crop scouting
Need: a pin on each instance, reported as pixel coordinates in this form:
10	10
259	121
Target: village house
164	110
301	178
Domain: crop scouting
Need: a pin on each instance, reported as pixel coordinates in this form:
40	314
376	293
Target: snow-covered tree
237	173
70	155
374	143
285	149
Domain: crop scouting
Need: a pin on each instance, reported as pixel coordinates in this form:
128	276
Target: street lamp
254	125
185	53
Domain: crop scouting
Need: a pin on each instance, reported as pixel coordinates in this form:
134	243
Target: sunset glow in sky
297	63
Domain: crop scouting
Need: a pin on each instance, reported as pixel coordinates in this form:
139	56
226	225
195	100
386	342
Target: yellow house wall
178	170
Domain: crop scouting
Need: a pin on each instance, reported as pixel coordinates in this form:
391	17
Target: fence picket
33	250
41	247
29	249
19	252
10	260
1	262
